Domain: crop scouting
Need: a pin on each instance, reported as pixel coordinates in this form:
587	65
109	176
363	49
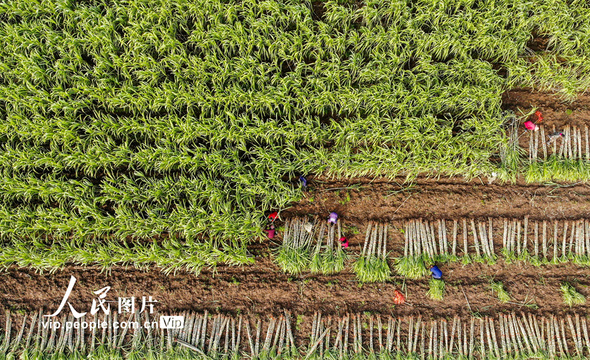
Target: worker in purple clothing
436	273
303	182
333	218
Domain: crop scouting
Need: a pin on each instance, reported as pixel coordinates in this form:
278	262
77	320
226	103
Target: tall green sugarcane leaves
183	117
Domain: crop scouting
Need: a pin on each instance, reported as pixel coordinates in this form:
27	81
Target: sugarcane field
295	180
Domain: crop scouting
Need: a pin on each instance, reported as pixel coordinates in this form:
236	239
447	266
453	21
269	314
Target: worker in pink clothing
529	125
344	242
271	231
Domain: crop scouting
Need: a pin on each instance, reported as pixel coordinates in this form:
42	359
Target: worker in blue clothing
436	273
303	182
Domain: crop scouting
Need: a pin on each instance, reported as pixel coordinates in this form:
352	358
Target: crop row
305	246
428	242
535	241
222	29
314	247
574	143
353	336
169	255
564	157
318	250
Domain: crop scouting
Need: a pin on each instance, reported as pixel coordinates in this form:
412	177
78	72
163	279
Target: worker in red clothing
398	297
532	126
273	216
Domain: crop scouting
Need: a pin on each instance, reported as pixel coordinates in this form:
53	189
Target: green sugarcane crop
139	119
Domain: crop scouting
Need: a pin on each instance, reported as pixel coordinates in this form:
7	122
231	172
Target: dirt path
361	200
263	289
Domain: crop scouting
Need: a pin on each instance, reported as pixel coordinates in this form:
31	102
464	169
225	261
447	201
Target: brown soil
263	289
538	43
360	200
555	112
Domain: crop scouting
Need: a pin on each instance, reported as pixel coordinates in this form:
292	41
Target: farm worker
554	137
529	125
344	242
436	273
303	182
273	216
333	218
398	297
271	232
